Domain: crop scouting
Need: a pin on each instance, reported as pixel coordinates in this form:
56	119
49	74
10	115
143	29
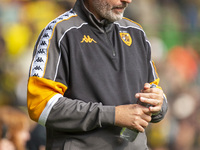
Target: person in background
6	145
14	125
38	138
90	67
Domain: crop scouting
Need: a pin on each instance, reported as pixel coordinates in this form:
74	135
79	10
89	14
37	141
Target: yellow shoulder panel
40	91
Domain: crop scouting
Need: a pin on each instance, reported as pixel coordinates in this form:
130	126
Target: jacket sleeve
154	78
45	94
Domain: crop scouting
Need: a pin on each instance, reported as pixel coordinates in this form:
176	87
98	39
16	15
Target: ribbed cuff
107	115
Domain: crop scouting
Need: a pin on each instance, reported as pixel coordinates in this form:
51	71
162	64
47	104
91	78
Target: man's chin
116	18
112	17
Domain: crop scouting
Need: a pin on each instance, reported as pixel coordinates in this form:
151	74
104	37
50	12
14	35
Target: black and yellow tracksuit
82	68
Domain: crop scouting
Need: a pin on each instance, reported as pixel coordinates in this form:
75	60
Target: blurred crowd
172	27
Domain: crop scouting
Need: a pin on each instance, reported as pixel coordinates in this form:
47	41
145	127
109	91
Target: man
88	69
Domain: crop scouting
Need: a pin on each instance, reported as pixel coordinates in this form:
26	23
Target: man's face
112	10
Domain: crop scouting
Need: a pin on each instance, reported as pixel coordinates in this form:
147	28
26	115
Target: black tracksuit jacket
82	68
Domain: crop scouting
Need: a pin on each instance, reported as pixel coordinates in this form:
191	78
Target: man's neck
89	6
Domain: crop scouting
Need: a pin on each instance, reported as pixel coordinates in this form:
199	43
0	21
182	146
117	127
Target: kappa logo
126	38
88	39
39	59
37	68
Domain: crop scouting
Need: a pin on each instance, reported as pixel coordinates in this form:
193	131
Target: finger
147	86
147	117
155	109
152	90
137	95
145	96
146	112
140	128
154	102
142	125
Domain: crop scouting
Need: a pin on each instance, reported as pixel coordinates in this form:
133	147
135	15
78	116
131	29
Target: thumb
147	86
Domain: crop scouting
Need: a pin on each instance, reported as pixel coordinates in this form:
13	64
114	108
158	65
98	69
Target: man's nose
127	1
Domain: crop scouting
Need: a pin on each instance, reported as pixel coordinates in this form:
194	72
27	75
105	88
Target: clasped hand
135	116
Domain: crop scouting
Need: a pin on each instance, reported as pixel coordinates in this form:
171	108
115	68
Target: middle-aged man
90	67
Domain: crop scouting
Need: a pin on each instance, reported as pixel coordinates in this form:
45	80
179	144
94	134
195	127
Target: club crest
126	38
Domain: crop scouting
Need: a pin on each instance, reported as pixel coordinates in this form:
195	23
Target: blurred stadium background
172	27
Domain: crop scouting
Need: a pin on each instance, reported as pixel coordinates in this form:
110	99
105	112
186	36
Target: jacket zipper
113	50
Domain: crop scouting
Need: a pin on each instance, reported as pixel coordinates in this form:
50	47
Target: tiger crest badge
126	38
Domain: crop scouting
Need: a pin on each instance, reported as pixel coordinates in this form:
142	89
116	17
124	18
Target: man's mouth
120	8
